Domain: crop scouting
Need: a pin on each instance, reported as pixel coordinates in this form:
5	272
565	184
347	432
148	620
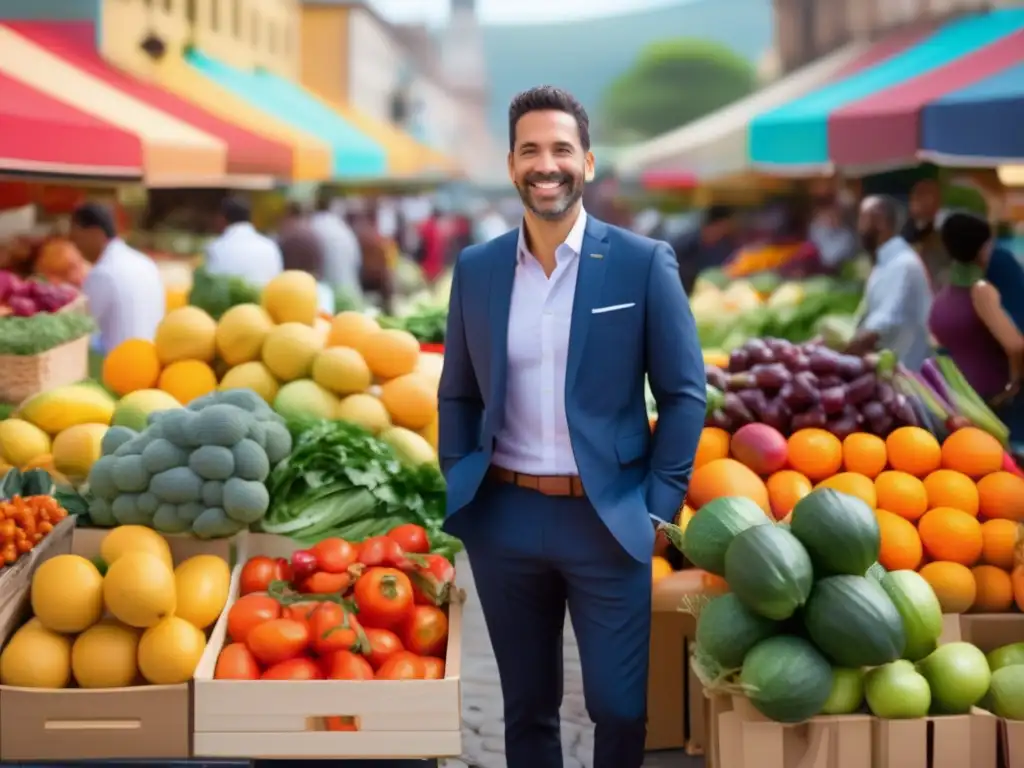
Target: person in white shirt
342	255
241	250
490	225
124	289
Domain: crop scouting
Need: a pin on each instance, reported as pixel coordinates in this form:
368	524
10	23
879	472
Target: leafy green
44	331
216	294
427	323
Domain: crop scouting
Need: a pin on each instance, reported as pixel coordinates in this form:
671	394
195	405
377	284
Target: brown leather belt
549	485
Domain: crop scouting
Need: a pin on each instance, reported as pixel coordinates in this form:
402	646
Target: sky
513	11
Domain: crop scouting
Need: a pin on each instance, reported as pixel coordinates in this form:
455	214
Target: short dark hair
547	98
717	213
963	235
235	210
95	215
889	209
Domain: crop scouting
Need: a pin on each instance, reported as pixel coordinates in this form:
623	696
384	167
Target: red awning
42	135
75	43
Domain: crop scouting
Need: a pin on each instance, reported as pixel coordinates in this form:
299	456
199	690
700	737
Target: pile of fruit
28	512
812	623
342	611
951	510
129	617
25	298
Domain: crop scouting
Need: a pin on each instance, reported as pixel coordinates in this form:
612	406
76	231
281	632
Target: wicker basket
22	376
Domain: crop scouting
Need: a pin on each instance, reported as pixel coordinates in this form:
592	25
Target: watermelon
918	608
853	621
727	630
713	528
786	679
769	570
839	531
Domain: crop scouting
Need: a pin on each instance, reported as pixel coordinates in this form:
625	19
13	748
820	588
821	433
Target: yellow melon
348	329
21	442
291	297
289	351
390	353
57	409
187	333
342	370
411	400
429	433
366	411
241	332
77	448
255	376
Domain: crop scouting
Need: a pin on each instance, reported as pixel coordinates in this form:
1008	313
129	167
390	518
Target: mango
77	448
57	409
134	409
21	442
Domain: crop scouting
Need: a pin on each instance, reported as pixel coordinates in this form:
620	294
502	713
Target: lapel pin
597	255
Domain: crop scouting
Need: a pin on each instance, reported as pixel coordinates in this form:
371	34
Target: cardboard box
141	722
285	719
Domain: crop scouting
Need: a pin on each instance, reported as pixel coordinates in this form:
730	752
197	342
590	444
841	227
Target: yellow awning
172	149
312	159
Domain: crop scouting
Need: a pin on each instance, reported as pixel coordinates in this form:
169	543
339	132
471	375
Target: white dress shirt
535	437
126	296
342	257
243	252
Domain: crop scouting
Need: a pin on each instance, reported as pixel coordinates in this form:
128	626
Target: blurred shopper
342	257
707	247
301	249
836	242
922	230
241	250
376	275
124	289
436	234
897	297
491	224
971	323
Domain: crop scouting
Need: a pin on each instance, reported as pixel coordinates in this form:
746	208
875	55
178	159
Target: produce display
53	259
342	611
127	618
26	298
28	512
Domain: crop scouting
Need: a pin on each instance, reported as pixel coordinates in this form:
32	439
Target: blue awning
356	155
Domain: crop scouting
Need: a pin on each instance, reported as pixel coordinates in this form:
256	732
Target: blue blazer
629	475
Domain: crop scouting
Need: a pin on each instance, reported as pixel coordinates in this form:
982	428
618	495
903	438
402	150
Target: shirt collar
574	240
242	226
888	250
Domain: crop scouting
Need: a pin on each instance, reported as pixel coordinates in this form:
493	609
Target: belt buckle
555	486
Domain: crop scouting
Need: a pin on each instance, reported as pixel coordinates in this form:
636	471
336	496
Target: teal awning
356	156
794	137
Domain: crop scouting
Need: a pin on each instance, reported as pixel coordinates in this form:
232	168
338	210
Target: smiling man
555	482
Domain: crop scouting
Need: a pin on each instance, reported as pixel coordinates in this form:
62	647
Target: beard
870	241
556	205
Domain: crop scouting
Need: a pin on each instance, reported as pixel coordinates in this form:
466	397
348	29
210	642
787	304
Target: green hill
584	57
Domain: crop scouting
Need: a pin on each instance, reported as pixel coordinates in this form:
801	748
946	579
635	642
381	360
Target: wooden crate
286	719
28	375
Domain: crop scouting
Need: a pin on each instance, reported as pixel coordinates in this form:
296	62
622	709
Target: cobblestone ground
482	727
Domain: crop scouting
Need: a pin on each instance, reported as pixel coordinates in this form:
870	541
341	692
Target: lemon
104	656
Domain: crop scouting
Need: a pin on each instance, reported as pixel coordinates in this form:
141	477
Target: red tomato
278	640
345	665
300	611
425	632
434	668
321	583
381	551
383	645
294	669
433	581
333	555
236	662
259	572
402	666
384	598
250	611
334	629
411	538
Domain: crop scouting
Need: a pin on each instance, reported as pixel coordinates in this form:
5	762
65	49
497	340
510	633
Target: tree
672	83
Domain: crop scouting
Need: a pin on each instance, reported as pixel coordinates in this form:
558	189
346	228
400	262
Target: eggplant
812	418
881	426
721	420
716	377
861	389
849	367
770	376
800	362
754	399
833	400
759	352
873	410
825	382
739	360
843	426
802	392
776	414
903	411
884	393
779	346
734	408
824	362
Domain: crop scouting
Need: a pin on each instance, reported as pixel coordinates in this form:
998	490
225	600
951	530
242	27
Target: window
190	11
271	37
169	6
236	18
286	47
214	15
254	27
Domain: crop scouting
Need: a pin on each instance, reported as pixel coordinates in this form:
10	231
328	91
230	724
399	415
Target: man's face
925	200
90	241
548	165
869	229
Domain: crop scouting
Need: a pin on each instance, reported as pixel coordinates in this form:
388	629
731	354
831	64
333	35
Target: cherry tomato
384	598
345	665
300	611
402	666
433	668
303	563
294	669
381	551
383	645
278	640
248	612
433	581
334	629
321	583
259	572
334	555
425	632
411	538
236	662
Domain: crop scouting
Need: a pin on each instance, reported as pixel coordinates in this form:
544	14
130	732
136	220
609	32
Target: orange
972	451
949	488
186	380
949	534
785	488
864	454
131	365
994	590
726	477
714	444
953	584
901	546
815	453
853	484
660	568
999	543
901	493
1001	495
913	450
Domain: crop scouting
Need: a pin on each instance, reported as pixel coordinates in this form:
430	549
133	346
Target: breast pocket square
612	308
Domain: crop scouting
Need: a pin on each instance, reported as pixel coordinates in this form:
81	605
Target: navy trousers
532	555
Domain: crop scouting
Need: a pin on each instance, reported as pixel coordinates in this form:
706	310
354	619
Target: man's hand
661	543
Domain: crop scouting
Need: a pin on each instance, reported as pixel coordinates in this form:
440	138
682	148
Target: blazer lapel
592	266
503	272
